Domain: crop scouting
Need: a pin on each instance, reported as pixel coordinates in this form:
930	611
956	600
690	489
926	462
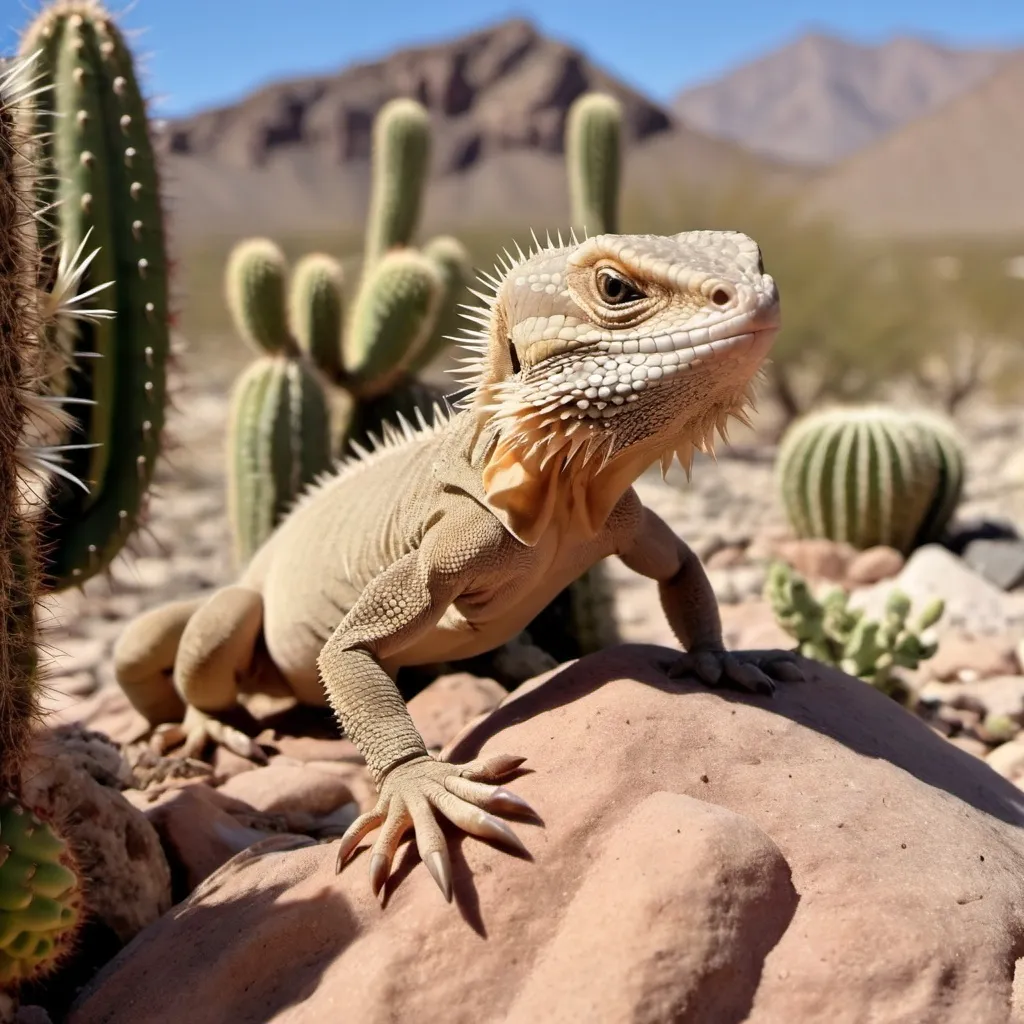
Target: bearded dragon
590	362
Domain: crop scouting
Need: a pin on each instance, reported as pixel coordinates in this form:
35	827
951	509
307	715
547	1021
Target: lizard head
598	358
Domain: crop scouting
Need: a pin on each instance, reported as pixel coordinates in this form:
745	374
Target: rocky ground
729	514
186	832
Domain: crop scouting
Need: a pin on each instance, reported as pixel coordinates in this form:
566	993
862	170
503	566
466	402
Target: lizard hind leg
144	657
216	647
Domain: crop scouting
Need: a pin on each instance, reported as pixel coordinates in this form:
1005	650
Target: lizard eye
616	289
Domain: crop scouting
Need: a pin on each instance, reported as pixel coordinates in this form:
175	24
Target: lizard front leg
397	607
691	609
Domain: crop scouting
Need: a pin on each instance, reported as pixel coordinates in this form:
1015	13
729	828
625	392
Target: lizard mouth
624	370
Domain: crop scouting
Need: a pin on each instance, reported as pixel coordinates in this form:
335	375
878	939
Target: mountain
821	98
956	171
294	156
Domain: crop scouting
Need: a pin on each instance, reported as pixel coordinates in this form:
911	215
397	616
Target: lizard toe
355	833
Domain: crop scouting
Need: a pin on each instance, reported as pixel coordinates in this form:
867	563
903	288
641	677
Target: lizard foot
198	729
752	671
410	795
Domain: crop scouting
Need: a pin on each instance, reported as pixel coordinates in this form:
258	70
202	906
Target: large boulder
705	856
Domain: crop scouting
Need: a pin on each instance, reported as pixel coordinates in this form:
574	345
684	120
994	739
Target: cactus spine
19	324
871	475
103	163
593	152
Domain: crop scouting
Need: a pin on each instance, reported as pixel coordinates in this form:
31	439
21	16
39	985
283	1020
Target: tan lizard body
593	361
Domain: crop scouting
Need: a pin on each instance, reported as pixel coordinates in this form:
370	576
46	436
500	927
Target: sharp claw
437	865
378	874
489	827
505	801
787	671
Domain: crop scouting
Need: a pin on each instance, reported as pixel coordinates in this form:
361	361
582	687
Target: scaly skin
593	361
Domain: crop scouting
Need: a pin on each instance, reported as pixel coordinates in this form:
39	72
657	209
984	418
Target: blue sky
205	52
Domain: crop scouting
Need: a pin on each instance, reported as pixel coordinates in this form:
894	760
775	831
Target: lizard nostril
721	296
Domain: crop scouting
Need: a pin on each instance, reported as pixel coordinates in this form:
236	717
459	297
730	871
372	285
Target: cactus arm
400	158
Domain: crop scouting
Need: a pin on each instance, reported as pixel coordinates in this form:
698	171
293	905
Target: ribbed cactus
831	632
40	895
452	260
593	153
98	164
871	475
19	325
316	311
366	349
393	315
401	156
279	427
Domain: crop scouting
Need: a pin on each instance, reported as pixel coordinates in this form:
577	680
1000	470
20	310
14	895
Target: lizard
588	363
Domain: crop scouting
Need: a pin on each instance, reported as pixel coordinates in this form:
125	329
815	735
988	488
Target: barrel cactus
96	163
279	431
871	475
40	895
593	154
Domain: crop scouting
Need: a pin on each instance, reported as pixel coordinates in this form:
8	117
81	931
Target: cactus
401	154
871	475
453	263
393	316
316	312
279	429
97	162
40	895
829	631
39	884
365	353
593	153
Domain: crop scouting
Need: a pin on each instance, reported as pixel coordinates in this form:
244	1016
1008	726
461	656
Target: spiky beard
540	428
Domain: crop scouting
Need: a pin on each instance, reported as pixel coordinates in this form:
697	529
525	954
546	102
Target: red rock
817	558
286	790
201	828
679	826
961	656
449	702
874	565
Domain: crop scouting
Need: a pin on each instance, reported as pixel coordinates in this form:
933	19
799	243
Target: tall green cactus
367	350
40	887
393	315
871	475
279	428
401	155
316	311
19	325
593	132
98	164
